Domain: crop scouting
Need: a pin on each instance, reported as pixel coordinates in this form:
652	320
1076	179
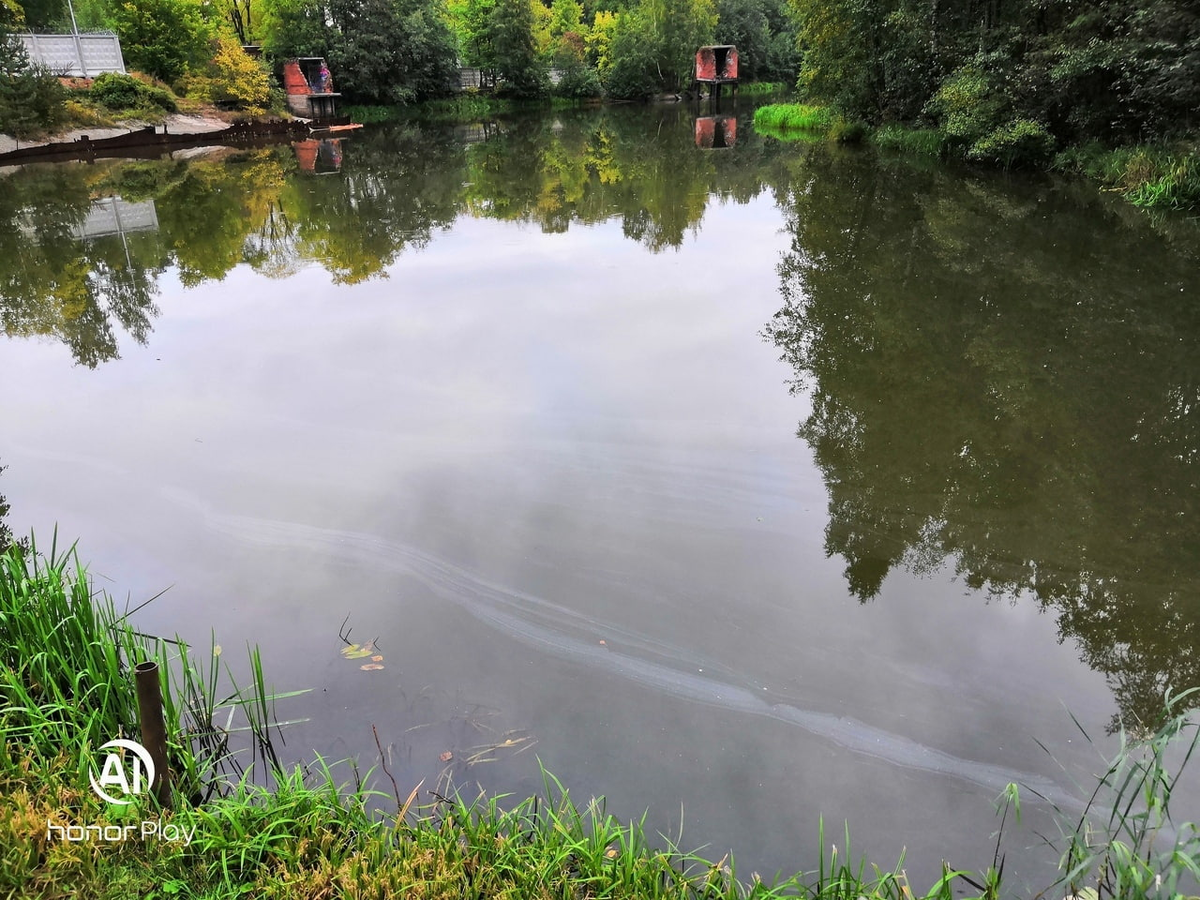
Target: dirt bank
175	123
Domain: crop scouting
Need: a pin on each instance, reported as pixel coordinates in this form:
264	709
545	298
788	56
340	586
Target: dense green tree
391	51
472	26
744	24
45	15
653	46
164	38
521	70
630	70
1114	69
765	36
675	29
12	16
293	28
31	99
566	16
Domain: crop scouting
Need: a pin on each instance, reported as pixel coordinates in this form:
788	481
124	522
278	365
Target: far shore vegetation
1110	89
256	828
1148	175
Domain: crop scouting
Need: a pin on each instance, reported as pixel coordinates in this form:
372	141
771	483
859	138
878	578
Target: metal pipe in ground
154	731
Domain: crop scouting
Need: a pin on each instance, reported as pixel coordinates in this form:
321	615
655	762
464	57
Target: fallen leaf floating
446	757
376	659
359	651
371	667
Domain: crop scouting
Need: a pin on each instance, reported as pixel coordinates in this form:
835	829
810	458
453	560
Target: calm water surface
749	485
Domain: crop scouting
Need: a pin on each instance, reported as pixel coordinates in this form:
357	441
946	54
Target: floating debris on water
359	651
362	651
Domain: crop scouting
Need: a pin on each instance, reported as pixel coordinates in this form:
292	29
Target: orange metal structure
717	64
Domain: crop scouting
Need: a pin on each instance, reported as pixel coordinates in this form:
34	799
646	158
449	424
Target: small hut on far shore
717	66
309	87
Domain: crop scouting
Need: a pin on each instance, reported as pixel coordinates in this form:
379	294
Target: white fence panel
81	55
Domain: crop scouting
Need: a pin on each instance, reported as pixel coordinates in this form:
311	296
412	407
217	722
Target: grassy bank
758	88
65	689
466	107
1147	176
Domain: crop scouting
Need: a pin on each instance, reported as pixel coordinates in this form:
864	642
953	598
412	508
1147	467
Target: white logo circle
114	772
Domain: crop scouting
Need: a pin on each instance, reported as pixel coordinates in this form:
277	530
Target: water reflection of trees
1028	410
52	283
397	187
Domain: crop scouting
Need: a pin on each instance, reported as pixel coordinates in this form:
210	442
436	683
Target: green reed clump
915	141
1127	843
756	88
794	116
64	661
1147	176
374	114
801	121
467	105
66	676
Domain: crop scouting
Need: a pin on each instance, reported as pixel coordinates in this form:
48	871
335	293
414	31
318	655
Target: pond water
746	485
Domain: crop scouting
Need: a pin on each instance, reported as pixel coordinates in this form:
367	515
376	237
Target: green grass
798	121
373	115
467	107
927	142
306	834
1147	176
755	88
794	117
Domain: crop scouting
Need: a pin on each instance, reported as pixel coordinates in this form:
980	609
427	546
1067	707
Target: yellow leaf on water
371	667
359	651
376	659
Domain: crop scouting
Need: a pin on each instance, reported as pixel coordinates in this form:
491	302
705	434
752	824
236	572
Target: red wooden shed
717	64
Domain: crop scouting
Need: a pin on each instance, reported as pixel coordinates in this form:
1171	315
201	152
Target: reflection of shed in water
322	157
309	87
716	132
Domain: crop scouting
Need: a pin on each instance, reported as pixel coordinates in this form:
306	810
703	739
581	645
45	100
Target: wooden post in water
154	732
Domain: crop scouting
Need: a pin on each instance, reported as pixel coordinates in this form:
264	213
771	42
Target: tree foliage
31	100
764	35
164	38
231	77
653	46
520	67
1115	69
381	51
293	28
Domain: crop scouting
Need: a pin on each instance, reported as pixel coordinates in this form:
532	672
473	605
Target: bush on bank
65	688
1162	176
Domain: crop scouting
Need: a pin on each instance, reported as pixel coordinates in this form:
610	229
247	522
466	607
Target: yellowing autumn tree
233	77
